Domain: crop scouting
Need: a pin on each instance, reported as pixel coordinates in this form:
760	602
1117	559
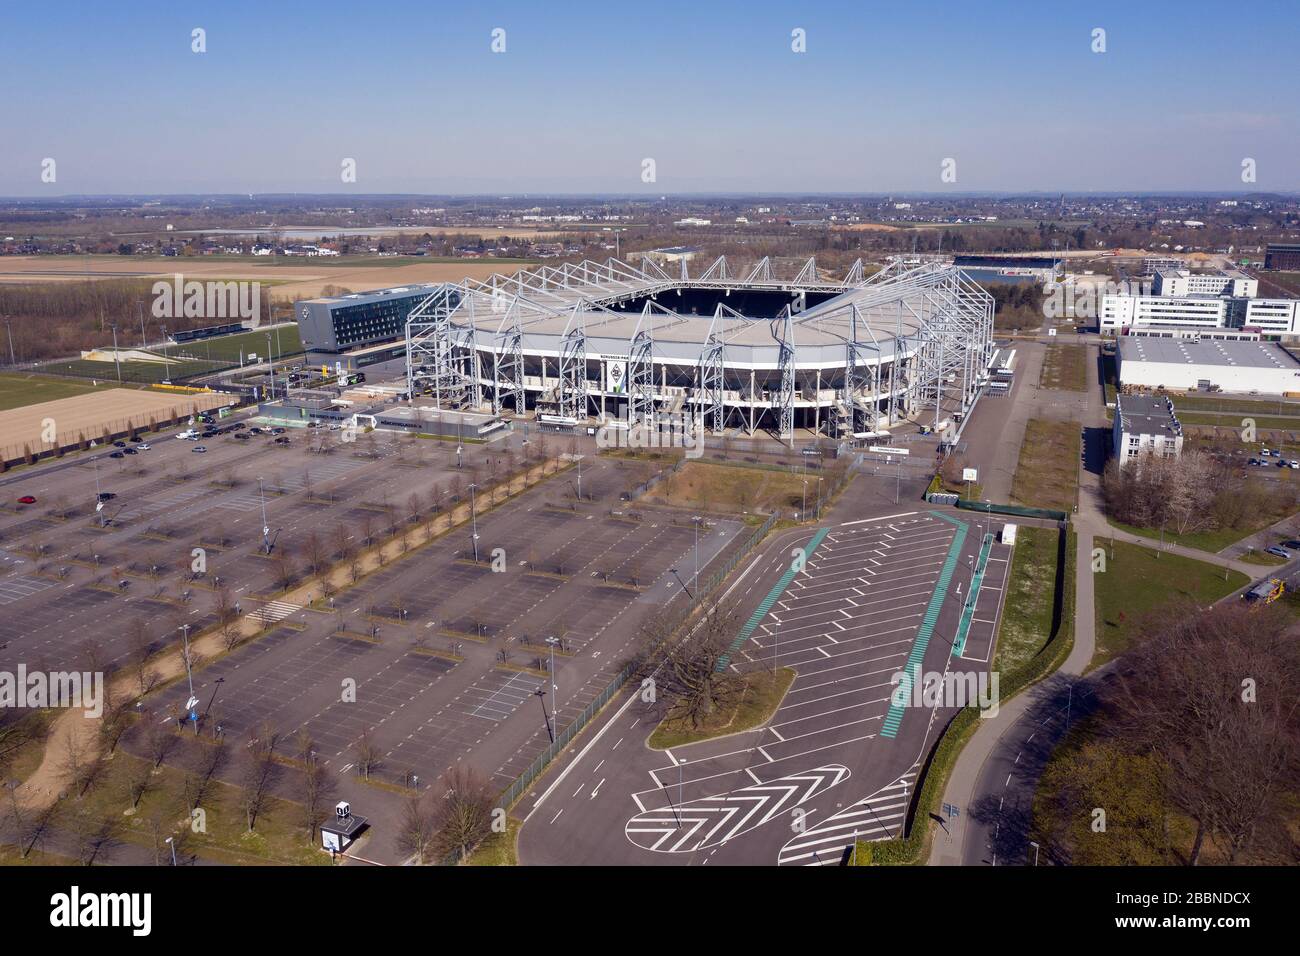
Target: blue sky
585	91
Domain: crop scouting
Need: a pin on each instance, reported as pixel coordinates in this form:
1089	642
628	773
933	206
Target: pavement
884	590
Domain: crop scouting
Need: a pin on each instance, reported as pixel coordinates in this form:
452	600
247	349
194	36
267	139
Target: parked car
243	435
1279	552
107	495
282	440
117	454
198	449
129	451
119	444
27	500
144	446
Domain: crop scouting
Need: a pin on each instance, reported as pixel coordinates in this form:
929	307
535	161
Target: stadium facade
733	349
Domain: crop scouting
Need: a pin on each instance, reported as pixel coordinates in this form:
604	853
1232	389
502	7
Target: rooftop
1215	352
1147	415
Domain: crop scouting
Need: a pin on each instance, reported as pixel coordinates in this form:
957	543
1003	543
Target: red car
27	500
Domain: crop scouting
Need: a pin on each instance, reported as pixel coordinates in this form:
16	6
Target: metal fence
1023	511
565	737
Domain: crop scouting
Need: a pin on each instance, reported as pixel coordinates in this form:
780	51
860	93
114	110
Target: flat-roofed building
1186	365
1146	425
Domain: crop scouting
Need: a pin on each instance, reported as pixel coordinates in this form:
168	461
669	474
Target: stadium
739	350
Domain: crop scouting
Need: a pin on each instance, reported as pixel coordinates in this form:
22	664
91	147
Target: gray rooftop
1147	415
1215	352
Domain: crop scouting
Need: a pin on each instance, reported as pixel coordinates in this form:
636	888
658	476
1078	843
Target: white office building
1121	312
1146	425
1181	282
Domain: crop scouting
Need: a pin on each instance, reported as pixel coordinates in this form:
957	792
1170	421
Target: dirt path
74	728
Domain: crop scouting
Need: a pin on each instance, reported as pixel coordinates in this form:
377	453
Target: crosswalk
712	821
273	612
877	817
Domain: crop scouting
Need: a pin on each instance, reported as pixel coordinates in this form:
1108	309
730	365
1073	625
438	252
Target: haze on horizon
584	93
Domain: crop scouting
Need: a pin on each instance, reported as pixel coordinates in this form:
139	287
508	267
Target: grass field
1139	581
762	695
133	373
733	489
1031	590
1047	475
1064	368
18	390
228	348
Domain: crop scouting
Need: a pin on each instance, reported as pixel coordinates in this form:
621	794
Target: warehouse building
1282	256
1146	425
1185	365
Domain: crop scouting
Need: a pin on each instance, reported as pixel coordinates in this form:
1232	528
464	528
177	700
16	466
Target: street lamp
172	844
473	518
189	677
554	687
266	528
695	578
540	694
1035	846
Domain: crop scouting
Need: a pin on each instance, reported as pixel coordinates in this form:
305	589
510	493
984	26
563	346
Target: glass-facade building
339	323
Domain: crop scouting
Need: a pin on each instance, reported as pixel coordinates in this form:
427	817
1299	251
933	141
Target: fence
1023	511
564	737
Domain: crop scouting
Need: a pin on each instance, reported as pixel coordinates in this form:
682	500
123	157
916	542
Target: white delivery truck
1008	534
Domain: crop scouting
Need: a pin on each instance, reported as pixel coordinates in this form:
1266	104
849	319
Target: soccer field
17	390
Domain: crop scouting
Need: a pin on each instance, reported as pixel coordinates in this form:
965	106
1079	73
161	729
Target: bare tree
317	793
416	831
367	755
462	816
260	773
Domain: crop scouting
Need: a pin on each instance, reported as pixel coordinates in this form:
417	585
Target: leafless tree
260	773
462	811
317	793
416	831
366	755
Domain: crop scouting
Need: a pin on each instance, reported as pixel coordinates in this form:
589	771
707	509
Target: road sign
888	450
970	474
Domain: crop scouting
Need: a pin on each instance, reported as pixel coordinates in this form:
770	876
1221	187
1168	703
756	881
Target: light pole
266	528
554	687
270	361
579	478
99	501
473	519
173	846
189	677
117	361
9	329
695	578
540	694
1035	846
680	763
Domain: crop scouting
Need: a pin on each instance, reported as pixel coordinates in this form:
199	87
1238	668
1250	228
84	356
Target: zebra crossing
877	817
712	821
272	612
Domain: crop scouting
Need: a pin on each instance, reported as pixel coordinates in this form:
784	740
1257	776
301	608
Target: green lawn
1139	581
763	695
1031	591
138	373
18	390
228	348
1211	541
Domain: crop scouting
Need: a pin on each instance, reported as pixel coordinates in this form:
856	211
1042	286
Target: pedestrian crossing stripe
773	596
912	669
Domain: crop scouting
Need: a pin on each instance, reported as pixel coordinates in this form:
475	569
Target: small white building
1145	425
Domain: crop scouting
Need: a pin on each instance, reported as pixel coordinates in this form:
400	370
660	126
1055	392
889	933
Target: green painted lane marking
968	612
772	597
912	669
